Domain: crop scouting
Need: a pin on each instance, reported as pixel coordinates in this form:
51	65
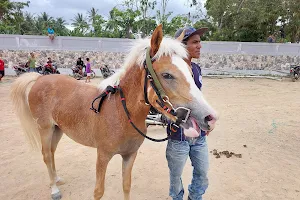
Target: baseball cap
190	31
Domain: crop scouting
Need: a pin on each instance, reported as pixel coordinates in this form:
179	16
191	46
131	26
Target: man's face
193	46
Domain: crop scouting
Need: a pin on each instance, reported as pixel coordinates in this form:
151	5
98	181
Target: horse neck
133	89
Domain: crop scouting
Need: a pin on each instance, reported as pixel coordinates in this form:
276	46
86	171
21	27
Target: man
80	65
271	39
179	146
31	62
50	66
50	32
2	73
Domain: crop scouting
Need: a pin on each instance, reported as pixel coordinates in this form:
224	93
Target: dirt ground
259	119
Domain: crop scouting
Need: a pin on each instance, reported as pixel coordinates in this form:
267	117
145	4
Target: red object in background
1	65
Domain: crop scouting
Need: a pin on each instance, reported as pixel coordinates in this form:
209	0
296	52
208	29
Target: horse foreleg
102	161
128	161
46	138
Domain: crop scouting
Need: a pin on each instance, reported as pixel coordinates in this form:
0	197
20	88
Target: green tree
145	23
11	16
122	22
80	24
59	27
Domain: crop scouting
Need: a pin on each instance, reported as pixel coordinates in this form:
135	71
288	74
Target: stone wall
215	55
67	59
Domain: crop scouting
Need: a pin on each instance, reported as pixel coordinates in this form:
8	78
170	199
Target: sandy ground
262	114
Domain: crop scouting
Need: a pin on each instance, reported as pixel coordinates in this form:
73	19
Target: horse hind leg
127	165
47	135
57	134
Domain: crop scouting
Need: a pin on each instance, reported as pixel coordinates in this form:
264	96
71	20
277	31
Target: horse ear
181	36
156	39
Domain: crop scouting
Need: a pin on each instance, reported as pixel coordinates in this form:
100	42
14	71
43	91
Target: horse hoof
56	196
60	181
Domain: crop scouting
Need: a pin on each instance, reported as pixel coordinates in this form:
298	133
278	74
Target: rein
180	113
113	90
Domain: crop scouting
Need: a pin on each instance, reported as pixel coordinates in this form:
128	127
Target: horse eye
167	76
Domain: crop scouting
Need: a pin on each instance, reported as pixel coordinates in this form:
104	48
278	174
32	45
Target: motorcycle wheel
46	72
93	74
77	76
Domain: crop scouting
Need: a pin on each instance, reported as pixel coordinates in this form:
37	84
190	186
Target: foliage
227	20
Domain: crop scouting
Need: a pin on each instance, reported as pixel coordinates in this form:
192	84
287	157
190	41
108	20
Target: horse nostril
208	118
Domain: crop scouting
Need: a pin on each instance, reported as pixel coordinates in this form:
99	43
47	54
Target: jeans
177	153
31	69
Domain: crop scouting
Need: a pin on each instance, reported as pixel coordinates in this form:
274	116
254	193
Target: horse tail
19	94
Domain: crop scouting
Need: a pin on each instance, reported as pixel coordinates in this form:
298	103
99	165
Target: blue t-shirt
50	31
198	80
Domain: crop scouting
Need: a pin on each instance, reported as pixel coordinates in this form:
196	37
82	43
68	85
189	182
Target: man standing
180	147
31	61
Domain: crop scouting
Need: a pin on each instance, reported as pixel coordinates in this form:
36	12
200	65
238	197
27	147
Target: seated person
50	66
50	32
80	65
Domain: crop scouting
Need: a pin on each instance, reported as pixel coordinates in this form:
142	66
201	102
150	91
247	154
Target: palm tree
46	19
60	26
79	22
92	14
112	25
27	26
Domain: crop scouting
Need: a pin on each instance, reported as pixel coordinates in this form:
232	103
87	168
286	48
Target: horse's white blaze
194	90
184	68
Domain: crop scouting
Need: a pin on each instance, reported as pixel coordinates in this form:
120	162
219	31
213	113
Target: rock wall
67	59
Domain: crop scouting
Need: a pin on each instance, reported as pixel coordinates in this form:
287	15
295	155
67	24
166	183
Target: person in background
31	61
80	65
50	66
88	70
2	69
271	39
50	32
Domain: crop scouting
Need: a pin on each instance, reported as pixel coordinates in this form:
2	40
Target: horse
155	73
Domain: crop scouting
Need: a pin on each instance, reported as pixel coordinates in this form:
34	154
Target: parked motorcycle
295	72
106	72
78	76
46	70
21	68
155	118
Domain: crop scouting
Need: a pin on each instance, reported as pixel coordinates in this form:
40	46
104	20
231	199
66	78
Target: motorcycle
155	118
21	69
46	70
106	72
78	76
295	72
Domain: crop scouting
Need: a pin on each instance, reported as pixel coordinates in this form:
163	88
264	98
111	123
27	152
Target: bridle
181	113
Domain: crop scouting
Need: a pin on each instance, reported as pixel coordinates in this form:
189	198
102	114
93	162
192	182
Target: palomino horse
49	106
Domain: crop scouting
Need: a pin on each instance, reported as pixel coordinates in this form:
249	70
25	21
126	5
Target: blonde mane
137	56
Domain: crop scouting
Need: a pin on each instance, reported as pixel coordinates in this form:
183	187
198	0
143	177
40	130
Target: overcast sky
69	8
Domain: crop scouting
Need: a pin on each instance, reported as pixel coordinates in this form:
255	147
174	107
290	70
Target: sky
69	8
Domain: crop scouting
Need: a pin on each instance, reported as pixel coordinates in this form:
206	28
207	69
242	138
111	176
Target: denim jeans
31	69
177	153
